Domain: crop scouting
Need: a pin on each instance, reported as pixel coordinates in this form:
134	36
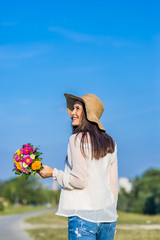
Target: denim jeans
79	228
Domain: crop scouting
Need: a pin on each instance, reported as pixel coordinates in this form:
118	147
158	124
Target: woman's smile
77	113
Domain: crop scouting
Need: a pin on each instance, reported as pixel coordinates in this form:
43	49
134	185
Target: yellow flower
36	165
14	160
18	166
32	156
18	152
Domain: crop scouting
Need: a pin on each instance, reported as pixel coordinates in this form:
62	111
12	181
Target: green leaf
17	172
35	153
41	168
38	158
26	176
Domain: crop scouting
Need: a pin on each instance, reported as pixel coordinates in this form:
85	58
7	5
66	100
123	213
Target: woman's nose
73	112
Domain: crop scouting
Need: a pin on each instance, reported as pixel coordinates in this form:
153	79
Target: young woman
90	179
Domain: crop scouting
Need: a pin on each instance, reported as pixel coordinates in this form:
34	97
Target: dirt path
135	226
26	226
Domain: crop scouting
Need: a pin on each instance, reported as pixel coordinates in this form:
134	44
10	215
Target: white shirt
89	186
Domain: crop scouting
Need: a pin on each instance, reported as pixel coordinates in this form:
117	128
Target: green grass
48	218
124	218
133	218
137	235
60	233
20	209
49	234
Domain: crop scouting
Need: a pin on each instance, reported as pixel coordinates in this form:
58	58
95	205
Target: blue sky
107	48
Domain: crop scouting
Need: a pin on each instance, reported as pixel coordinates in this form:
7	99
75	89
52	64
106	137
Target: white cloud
82	37
22	51
79	37
125	183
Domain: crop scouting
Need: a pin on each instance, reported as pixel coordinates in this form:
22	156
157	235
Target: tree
145	194
31	191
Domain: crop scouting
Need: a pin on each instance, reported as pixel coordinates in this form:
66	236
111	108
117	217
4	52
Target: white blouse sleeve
114	176
78	175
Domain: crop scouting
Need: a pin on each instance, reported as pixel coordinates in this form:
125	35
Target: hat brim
70	99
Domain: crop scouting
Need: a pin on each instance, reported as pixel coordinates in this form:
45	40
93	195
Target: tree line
144	196
18	190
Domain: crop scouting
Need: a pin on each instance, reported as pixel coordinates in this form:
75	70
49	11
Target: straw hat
93	105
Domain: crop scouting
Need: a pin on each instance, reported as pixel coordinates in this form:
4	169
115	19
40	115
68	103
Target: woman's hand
46	172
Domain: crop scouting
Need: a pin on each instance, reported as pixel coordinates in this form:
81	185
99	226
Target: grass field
124	218
133	218
57	227
20	209
61	234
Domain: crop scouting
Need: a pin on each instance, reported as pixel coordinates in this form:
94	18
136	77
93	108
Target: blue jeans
79	228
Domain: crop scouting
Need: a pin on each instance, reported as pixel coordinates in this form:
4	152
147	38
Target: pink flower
27	160
24	170
17	158
32	149
26	145
26	150
21	150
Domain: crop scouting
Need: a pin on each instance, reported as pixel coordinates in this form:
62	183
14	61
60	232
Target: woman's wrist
54	173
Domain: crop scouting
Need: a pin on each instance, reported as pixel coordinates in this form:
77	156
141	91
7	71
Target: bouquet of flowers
27	161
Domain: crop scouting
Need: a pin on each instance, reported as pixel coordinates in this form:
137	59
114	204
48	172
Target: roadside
134	227
21	209
11	226
27	226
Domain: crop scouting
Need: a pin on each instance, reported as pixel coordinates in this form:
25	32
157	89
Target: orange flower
36	165
18	166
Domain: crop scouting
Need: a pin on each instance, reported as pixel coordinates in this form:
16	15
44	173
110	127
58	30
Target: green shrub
1	206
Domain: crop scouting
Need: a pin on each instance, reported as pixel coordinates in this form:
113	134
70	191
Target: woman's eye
76	108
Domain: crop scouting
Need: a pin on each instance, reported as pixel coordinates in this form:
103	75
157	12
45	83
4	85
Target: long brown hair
101	142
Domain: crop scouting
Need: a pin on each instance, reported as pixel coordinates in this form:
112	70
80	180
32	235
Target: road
11	226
